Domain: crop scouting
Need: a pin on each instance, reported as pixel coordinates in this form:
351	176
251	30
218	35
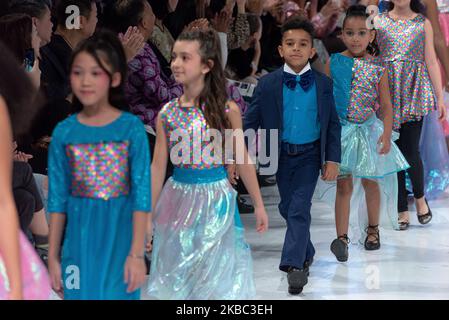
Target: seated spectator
56	54
55	75
161	37
243	62
20	94
147	89
40	12
30	207
19	34
239	32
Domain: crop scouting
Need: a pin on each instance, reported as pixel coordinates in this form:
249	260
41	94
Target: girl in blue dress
99	182
370	160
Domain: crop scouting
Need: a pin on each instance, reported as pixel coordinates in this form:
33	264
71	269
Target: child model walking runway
368	156
199	249
99	182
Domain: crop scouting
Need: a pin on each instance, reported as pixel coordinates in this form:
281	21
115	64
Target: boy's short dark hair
298	23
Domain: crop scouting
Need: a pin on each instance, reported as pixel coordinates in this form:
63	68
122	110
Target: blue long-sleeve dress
98	176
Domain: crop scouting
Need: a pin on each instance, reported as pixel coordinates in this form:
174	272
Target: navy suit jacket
266	112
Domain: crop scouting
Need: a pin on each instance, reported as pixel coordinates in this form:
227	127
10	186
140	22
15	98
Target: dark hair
213	97
18	91
215	7
123	14
160	8
298	23
359	11
15	32
105	46
85	7
415	5
33	8
355	11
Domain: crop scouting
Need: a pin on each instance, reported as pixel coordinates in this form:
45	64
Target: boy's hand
330	171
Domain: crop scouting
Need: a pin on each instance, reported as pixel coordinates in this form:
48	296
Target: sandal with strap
339	248
425	218
372	245
403	225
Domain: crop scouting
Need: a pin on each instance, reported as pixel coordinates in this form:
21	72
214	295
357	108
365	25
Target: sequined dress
199	250
98	176
402	48
35	279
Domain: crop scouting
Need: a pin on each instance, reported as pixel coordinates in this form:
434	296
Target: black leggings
408	143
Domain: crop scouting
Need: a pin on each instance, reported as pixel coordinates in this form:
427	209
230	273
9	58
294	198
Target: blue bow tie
306	80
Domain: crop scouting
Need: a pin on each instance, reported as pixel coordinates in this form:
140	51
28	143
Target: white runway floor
412	264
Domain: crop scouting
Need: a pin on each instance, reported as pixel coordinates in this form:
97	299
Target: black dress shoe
425	218
307	265
243	206
297	279
267	181
339	248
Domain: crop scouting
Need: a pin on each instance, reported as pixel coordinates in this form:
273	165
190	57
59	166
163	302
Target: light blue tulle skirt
435	157
199	250
361	159
360	151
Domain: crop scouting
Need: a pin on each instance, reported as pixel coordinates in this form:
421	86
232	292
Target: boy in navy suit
298	101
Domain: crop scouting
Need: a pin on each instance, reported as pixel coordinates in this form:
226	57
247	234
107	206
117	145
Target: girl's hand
54	268
261	219
441	111
385	143
232	173
135	271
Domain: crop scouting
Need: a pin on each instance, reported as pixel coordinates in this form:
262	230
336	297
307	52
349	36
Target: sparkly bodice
401	39
355	86
187	137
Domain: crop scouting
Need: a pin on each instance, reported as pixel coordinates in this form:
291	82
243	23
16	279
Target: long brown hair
213	98
15	32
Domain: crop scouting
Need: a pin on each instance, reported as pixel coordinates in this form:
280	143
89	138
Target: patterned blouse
147	89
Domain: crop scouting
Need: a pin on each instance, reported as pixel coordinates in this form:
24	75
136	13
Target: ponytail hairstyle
213	97
105	46
360	11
